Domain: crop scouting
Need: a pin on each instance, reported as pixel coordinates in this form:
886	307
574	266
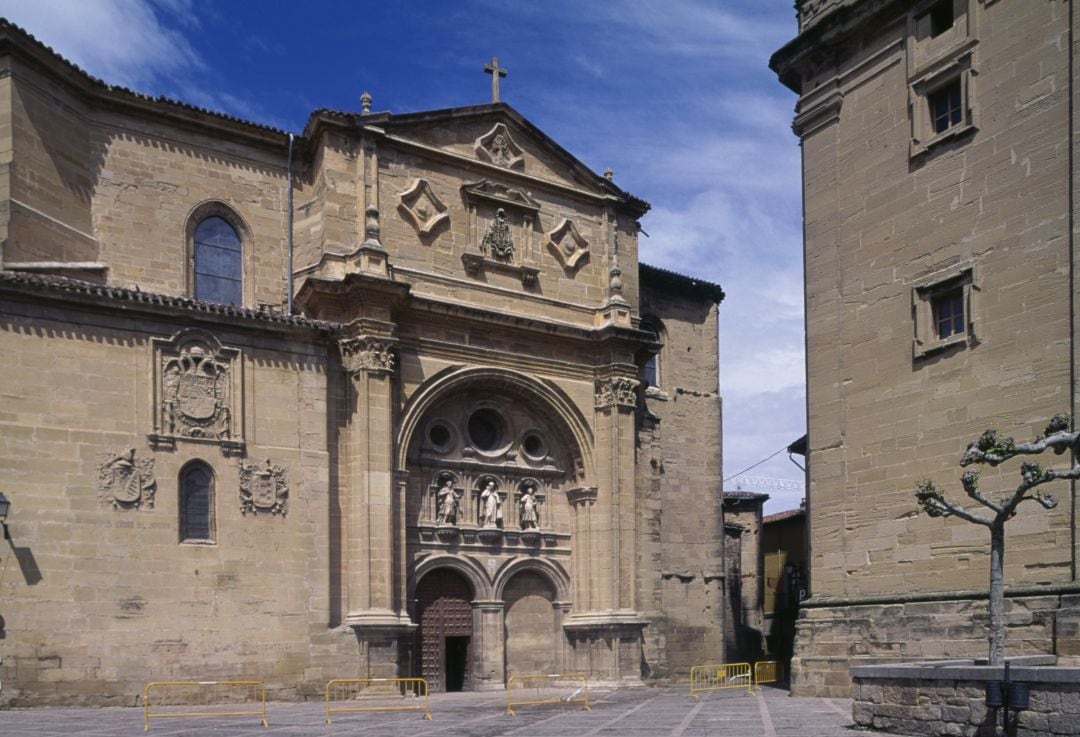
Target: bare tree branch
970	481
934	503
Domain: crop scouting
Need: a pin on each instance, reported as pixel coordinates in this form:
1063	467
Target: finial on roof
365	103
609	174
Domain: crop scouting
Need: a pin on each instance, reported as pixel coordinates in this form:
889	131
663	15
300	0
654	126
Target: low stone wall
948	698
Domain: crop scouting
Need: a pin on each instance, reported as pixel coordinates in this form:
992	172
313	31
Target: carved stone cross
495	71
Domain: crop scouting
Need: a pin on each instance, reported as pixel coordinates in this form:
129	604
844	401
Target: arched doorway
529	625
444	613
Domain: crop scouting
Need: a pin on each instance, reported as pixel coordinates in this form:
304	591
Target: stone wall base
949	700
830	638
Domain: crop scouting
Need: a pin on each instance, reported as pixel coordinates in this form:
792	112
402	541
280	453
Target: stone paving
631	712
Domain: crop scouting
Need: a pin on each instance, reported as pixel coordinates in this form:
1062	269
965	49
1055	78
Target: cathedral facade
393	396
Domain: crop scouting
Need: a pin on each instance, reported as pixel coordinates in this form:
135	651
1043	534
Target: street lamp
5	505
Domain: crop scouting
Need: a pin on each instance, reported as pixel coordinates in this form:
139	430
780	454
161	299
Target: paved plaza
631	712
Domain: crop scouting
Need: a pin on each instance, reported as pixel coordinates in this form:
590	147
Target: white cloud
121	41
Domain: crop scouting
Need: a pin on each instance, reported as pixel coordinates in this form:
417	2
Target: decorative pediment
500	195
422	208
567	244
197	386
498	147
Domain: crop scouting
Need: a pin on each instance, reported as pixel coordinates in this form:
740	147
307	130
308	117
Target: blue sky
675	96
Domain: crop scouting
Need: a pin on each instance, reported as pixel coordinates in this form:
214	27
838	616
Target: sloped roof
656	277
781	516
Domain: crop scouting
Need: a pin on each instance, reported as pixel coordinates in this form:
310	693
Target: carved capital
581	496
367	353
617	391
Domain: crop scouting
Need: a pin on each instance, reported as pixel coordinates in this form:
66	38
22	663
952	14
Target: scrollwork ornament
263	488
126	482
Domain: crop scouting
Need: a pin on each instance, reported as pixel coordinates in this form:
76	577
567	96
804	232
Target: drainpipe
1071	203
289	235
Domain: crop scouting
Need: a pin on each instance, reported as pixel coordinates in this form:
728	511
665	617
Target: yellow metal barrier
720	676
766	671
377	694
547	688
165	699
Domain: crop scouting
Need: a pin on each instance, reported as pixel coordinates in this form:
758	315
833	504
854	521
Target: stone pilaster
374	574
488	645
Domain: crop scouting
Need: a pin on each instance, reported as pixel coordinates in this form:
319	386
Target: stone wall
830	638
949	700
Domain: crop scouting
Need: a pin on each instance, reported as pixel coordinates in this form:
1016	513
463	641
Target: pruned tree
991	449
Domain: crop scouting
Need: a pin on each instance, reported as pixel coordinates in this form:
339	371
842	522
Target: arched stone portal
444	639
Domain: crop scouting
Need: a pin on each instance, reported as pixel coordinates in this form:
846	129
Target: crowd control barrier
720	676
377	694
766	671
171	699
547	688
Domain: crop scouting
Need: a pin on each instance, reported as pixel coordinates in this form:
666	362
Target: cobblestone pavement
630	712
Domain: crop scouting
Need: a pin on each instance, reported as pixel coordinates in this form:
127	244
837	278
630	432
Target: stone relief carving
617	391
567	244
367	353
499	148
263	489
497	240
126	482
422	208
197	384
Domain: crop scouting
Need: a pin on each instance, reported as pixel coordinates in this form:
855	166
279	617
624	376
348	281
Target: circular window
533	445
439	435
486	429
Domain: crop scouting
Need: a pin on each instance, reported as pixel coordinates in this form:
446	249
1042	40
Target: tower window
945	105
948	310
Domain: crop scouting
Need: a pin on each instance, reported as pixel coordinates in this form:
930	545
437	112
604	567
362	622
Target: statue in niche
447	501
490	506
527	508
497	239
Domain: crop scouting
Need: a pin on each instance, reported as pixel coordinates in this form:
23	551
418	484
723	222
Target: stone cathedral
392	396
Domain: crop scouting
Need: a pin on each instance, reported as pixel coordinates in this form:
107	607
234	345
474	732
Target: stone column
373	506
585	554
488	645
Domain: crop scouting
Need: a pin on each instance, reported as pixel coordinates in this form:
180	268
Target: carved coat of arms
126	482
263	488
195	401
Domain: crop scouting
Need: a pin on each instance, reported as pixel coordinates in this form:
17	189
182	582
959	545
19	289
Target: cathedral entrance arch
444	612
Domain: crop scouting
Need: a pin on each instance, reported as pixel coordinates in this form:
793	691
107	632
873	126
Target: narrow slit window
196	503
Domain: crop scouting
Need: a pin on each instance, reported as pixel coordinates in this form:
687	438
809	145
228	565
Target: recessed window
948	308
944	306
940	17
196	503
946	107
218	263
486	429
533	445
439	436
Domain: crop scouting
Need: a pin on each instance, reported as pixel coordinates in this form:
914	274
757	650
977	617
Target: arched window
218	262
196	503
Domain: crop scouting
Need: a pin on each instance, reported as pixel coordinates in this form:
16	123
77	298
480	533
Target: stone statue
447	500
527	509
490	506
